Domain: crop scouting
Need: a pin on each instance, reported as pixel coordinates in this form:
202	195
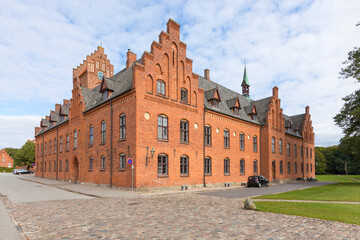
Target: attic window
215	103
184	95
105	95
61	117
235	110
251	115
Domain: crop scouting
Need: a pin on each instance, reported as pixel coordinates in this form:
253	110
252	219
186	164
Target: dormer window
105	95
235	110
61	117
215	103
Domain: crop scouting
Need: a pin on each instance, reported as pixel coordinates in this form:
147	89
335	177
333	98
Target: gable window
103	163
162	127
105	95
122	126
184	165
184	131
280	146
255	166
91	163
226	166
208	135
122	161
67	165
160	87
273	145
184	95
295	150
75	139
162	165
55	145
226	139
49	147
103	132
288	149
67	142
91	135
295	167
208	166
215	103
281	167
288	168
255	143
242	142
242	167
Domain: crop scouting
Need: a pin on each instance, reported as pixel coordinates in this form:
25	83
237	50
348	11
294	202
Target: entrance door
75	173
273	169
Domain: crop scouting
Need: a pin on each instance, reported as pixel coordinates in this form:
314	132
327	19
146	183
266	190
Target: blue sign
100	75
129	161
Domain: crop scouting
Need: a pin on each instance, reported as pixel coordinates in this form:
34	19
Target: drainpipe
111	142
259	149
43	152
303	158
57	152
204	146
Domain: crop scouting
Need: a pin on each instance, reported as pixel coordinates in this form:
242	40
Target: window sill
208	174
163	140
161	95
74	148
184	175
186	103
102	170
149	92
226	147
67	151
208	145
121	169
242	174
226	174
122	140
187	143
102	143
91	145
163	176
90	170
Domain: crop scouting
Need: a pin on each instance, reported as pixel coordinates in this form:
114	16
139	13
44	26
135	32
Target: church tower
245	85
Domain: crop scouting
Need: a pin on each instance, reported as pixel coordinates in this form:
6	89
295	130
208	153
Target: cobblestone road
180	216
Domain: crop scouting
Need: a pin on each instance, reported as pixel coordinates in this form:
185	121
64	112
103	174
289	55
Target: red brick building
5	159
178	128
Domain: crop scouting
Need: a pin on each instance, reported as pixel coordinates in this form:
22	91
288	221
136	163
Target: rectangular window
91	136
255	165
280	146
49	147
295	150
122	161
288	168
55	145
184	131
302	152
103	163
273	145
162	127
307	168
60	167
91	163
67	165
288	149
208	135
162	165
208	166
226	166
67	142
302	167
310	153
184	95
295	168
215	103
307	152
122	126
45	166
103	132
37	150
55	166
184	165
75	139
42	149
242	142
255	143
105	95
281	167
226	139
160	87
242	167
311	167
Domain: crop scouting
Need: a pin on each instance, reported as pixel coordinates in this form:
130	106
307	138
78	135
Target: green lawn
347	213
336	178
346	192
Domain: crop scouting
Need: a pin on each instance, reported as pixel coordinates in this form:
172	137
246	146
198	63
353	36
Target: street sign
129	161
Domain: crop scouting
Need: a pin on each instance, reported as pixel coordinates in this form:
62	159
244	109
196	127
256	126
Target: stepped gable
225	95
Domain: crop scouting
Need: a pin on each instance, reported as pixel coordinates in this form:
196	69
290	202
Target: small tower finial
100	43
245	84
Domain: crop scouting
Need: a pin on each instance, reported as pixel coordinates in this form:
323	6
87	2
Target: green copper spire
245	78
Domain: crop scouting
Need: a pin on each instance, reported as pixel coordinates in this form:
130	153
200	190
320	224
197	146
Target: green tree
11	151
320	162
25	156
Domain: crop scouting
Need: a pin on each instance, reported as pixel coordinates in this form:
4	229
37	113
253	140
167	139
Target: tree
25	156
11	151
320	162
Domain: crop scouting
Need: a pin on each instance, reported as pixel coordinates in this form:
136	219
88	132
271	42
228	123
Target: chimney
37	130
131	58
57	107
207	74
307	110
47	117
275	91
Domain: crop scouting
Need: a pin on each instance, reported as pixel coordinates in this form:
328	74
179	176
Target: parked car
257	181
21	171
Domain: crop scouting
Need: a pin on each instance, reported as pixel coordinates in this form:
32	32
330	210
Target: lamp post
152	152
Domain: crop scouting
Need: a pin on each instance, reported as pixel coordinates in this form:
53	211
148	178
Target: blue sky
298	46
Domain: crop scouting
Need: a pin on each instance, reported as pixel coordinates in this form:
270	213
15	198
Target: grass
337	178
345	192
347	213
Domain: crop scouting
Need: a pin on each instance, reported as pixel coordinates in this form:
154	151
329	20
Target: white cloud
297	45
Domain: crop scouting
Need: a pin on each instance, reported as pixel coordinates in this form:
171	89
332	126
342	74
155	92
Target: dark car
257	181
21	171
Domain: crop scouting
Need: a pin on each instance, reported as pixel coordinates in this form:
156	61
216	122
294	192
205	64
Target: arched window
49	147
295	168
226	138
280	146
102	163
103	132
108	72
307	152
160	87
281	167
310	167
60	167
208	166
288	149
295	150
255	167
91	163
194	102
123	126
288	168
75	139
91	135
310	153
273	144
255	143
49	166
97	64
122	158
208	135
184	165
226	166
103	65
67	165
92	66
184	95
184	131
302	152
162	127
55	146
242	166
67	142
162	165
307	168
45	148
242	141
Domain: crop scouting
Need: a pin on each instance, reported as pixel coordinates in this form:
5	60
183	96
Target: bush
6	169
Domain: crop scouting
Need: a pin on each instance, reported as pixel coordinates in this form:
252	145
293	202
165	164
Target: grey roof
54	117
45	122
225	95
65	109
249	109
262	108
231	102
119	84
293	124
